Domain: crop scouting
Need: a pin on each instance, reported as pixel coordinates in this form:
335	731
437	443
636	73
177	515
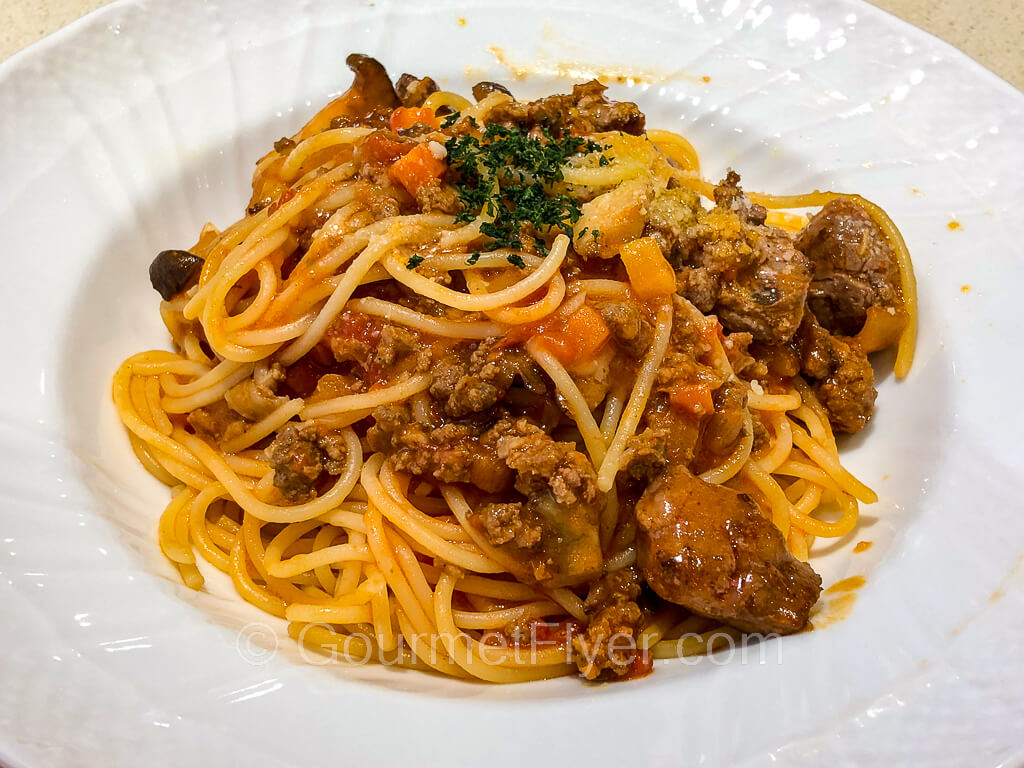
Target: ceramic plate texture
121	135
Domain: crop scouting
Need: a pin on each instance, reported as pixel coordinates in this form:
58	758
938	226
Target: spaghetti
419	390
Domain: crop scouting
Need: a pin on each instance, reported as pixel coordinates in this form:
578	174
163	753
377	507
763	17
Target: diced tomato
406	117
417	167
694	399
301	377
641	666
650	274
580	339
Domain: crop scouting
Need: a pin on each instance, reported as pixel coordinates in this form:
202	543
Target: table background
991	31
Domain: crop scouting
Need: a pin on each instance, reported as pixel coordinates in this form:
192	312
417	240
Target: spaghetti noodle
419	391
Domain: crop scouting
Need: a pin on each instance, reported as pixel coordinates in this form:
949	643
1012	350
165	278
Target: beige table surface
992	31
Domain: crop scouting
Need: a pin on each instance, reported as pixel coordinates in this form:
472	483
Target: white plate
121	135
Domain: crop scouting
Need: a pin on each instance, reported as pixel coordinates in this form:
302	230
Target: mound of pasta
505	390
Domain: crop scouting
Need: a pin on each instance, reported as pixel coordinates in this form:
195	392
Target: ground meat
257	397
504	523
729	196
413	91
544	540
585	111
666	437
335	452
630	329
397	342
353	337
845	381
381	350
452	453
217	421
300	454
435	197
471	382
542	462
711	550
297	461
854	266
615	619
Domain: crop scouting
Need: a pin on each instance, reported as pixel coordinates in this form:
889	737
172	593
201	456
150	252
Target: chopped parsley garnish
474	258
451	119
516	260
414	261
507	175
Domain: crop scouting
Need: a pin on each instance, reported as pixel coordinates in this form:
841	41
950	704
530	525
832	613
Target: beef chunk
586	110
854	266
700	286
767	298
710	549
727	261
845	381
413	91
615	619
630	329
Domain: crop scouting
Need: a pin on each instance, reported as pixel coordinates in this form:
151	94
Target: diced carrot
649	273
406	117
580	339
692	398
416	168
383	148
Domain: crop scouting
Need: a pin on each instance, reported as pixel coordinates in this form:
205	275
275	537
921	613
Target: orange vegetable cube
649	273
417	167
694	399
581	338
406	117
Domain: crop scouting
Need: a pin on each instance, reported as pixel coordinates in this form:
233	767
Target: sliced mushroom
372	87
173	271
485	87
413	91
